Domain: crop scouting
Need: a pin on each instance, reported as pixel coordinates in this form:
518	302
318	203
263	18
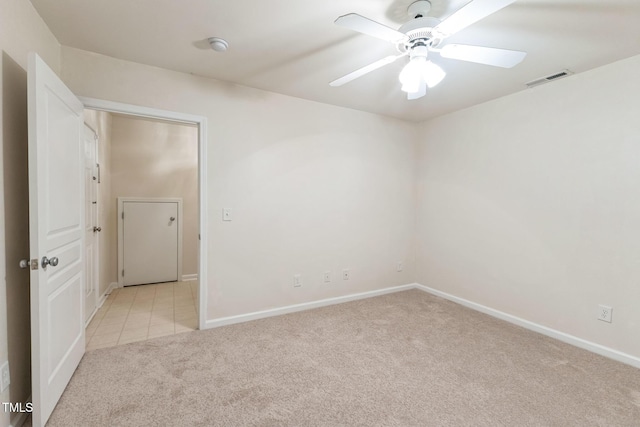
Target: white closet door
91	229
150	242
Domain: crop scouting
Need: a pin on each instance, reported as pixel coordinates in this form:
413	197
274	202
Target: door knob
97	229
173	218
52	262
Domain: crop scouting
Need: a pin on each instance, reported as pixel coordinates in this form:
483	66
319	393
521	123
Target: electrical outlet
346	274
297	281
5	380
327	276
399	266
605	313
226	214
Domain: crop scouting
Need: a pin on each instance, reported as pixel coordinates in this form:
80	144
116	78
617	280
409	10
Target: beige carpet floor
404	359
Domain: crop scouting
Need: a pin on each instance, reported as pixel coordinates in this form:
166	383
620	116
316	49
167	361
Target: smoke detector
218	44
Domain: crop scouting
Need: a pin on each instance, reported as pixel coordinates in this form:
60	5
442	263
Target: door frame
180	118
121	202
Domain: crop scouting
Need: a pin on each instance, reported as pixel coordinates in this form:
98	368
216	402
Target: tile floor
137	313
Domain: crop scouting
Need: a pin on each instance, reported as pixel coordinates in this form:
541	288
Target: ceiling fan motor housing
419	31
419	50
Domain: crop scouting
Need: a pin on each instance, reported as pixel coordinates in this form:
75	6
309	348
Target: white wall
158	159
21	31
313	187
529	204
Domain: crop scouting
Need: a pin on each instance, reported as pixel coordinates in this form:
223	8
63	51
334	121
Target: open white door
56	226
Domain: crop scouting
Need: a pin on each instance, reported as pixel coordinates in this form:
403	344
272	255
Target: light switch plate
5	380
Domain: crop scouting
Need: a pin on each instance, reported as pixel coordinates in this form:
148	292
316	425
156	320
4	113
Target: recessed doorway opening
157	158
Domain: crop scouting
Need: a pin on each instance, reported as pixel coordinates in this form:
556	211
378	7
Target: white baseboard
103	298
561	336
224	321
101	301
189	277
21	418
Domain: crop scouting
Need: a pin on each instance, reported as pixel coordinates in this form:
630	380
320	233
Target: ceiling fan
424	34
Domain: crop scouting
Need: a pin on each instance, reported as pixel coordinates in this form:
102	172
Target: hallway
141	312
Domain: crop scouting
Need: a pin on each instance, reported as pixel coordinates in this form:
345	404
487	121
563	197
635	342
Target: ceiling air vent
547	79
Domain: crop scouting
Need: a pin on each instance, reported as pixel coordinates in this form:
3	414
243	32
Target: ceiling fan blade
483	55
363	25
364	70
469	14
420	93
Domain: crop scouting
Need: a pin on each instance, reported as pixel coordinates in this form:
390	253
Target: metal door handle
52	262
97	229
173	218
24	263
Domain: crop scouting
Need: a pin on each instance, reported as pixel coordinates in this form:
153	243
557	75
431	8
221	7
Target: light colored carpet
404	359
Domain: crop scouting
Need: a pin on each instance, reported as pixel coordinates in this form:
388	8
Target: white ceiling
292	46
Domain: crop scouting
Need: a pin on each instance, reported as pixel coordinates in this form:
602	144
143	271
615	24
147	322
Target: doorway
171	159
57	227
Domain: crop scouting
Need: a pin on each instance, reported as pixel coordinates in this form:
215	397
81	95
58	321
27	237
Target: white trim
302	307
100	302
189	277
203	236
560	336
86	323
121	202
201	122
103	297
140	111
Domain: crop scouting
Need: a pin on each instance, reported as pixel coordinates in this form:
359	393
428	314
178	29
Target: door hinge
122	272
122	215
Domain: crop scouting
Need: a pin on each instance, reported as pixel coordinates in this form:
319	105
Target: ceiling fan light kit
419	73
424	34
